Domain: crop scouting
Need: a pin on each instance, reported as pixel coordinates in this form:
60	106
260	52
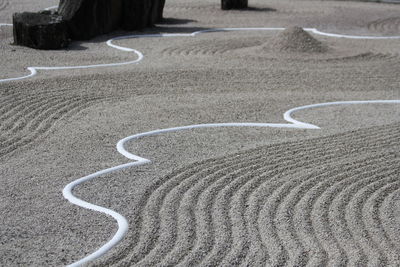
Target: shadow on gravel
80	45
258	9
175	21
77	46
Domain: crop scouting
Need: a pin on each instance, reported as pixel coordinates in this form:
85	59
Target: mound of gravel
295	39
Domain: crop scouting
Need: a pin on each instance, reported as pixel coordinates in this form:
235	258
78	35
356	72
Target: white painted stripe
33	70
122	222
350	36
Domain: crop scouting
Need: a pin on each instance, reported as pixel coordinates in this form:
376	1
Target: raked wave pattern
3	4
27	118
137	161
320	202
34	70
387	25
280	231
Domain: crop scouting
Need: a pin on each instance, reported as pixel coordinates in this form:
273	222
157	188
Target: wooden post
40	31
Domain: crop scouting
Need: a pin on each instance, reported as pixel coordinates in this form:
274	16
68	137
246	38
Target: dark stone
139	14
234	4
89	18
136	14
83	20
46	12
157	11
40	31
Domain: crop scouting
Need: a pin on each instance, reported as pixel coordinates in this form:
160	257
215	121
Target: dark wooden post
234	4
138	14
84	19
40	31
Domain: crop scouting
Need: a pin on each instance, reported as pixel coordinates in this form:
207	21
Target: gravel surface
220	196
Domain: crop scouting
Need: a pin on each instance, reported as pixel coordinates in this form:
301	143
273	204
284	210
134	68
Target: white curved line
312	30
288	114
122	222
34	70
51	7
350	36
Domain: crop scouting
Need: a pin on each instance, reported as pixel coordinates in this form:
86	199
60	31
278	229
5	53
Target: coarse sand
295	39
210	197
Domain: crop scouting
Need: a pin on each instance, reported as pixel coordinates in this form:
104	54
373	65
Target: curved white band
33	70
122	222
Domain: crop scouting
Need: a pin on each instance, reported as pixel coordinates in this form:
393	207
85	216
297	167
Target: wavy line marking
33	70
121	220
51	7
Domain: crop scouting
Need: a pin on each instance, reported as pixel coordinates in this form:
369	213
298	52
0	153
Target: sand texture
319	201
215	196
296	40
